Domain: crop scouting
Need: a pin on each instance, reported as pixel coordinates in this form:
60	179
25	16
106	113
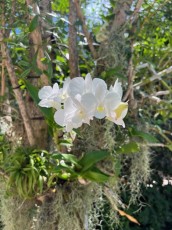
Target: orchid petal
112	100
100	114
49	103
117	88
45	92
88	102
76	86
121	110
100	92
59	117
88	83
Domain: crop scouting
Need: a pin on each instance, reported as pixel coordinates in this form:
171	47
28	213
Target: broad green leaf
91	158
95	175
131	147
145	136
34	23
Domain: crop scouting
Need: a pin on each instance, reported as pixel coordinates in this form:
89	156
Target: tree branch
84	26
3	60
155	77
129	93
135	14
73	53
121	14
2	76
17	92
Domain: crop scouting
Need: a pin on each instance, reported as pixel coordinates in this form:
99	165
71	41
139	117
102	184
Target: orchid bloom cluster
82	99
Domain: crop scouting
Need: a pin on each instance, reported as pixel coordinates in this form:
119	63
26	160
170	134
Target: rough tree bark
36	46
73	52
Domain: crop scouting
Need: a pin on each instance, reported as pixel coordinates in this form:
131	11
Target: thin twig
85	30
156	145
162	93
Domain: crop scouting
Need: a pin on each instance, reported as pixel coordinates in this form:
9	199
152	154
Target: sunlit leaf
34	23
131	147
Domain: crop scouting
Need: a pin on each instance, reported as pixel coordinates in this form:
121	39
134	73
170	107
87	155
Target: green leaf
131	147
95	175
91	158
34	23
70	158
25	73
169	147
40	184
24	63
65	142
145	136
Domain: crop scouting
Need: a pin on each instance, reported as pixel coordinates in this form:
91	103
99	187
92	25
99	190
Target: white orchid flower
116	110
85	105
80	86
76	111
63	92
81	99
63	117
49	97
100	92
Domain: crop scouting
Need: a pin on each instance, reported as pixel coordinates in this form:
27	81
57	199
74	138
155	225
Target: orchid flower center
100	108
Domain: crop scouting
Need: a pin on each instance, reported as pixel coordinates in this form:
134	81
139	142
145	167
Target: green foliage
4	148
131	147
91	158
31	172
34	23
27	171
62	6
